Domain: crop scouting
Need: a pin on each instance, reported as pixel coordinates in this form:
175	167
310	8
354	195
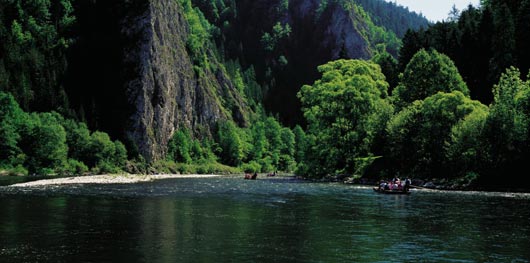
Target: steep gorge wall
166	92
155	89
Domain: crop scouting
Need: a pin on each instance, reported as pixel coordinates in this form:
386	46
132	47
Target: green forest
449	100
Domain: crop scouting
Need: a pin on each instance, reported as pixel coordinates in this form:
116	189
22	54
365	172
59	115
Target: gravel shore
109	179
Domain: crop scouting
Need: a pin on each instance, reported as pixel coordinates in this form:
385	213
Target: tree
288	142
467	150
179	147
418	135
120	157
522	37
507	126
34	39
454	14
300	143
426	74
43	141
102	150
345	110
470	57
231	147
412	43
503	41
259	141
11	117
287	150
389	67
273	135
78	140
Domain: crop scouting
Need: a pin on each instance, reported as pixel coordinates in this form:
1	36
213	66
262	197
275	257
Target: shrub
251	167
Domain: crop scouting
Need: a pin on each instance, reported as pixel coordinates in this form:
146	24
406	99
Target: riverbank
435	184
108	179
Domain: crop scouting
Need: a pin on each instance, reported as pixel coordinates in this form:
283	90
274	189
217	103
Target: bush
230	143
251	167
167	167
179	147
43	140
266	165
138	166
18	170
287	163
108	167
76	167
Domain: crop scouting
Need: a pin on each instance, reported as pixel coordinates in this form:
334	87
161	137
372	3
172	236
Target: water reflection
227	220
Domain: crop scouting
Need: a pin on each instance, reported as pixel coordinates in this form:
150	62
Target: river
227	219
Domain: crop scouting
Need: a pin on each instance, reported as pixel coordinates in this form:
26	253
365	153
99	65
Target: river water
227	219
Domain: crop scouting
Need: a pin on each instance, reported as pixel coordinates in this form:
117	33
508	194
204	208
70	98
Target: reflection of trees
323	224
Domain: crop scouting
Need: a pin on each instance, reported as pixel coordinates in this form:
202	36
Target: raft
391	192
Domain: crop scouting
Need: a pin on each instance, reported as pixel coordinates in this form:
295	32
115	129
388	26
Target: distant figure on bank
408	182
254	176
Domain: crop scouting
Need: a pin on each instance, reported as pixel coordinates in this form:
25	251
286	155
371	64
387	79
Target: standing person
408	182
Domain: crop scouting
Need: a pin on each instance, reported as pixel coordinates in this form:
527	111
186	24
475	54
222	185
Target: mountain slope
148	86
140	70
286	40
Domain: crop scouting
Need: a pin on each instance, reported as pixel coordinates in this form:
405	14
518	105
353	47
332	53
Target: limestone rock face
338	29
161	85
135	78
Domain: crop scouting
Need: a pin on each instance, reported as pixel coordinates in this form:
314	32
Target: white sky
435	10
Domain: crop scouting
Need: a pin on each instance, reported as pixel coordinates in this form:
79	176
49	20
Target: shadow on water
270	220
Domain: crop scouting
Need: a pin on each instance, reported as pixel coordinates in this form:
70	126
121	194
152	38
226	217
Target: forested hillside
395	18
283	41
176	81
204	86
482	42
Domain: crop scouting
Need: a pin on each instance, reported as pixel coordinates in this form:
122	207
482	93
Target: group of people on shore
249	176
395	185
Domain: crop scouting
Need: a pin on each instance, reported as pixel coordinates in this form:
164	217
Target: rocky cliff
152	89
132	75
166	92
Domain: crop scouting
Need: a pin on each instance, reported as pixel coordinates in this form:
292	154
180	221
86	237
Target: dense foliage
422	116
266	146
393	17
427	73
34	37
346	111
437	130
482	42
283	47
46	143
419	134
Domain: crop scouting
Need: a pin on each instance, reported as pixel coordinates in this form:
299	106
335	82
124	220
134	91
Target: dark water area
228	219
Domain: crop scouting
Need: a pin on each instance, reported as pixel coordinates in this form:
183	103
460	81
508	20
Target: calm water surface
270	220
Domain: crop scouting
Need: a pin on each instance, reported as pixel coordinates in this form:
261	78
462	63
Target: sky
435	10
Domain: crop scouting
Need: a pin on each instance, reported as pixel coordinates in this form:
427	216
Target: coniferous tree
503	41
522	35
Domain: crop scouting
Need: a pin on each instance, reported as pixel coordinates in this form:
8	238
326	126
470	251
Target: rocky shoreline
108	179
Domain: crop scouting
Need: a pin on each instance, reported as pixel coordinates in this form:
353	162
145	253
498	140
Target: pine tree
522	36
503	41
